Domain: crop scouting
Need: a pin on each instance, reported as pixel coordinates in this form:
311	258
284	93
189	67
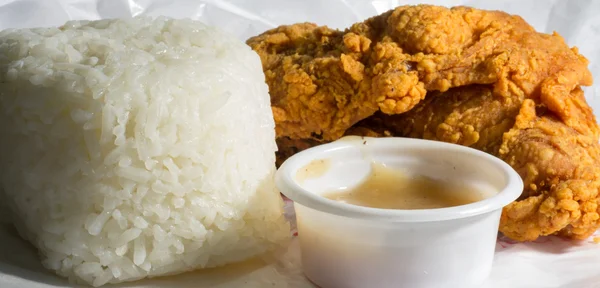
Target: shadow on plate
546	244
19	259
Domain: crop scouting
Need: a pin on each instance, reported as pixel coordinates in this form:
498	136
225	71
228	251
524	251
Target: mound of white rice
137	148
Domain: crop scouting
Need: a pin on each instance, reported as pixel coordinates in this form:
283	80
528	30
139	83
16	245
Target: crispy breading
484	79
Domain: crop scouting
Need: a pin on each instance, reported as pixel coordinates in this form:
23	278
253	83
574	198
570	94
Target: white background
551	262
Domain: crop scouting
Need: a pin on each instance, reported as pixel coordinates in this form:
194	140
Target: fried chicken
323	81
483	79
559	163
560	167
472	115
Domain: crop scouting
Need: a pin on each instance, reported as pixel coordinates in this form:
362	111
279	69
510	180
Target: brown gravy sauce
388	188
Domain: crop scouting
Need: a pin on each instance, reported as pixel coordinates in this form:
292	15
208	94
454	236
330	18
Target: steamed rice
136	148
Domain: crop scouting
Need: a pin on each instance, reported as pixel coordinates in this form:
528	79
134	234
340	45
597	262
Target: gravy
388	188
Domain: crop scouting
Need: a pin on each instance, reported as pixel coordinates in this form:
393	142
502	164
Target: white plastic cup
348	246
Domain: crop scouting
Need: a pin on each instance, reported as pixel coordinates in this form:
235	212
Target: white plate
547	263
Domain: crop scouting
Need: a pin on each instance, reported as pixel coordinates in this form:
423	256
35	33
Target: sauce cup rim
288	186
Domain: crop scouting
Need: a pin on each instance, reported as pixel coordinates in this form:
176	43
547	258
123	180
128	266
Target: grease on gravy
388	188
314	169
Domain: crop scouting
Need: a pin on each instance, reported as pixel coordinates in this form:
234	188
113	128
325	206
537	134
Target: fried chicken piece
560	167
323	81
559	162
471	115
307	77
483	79
318	84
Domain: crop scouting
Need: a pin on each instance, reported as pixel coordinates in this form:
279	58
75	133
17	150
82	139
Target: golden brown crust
560	167
485	79
323	81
